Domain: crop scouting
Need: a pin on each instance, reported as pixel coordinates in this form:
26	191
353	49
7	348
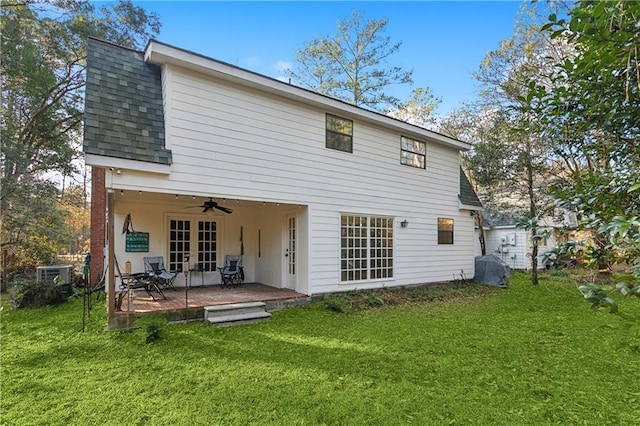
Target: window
339	133
207	245
445	230
180	243
366	247
412	152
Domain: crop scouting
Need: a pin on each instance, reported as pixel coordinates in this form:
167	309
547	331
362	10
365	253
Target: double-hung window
412	152
445	230
339	133
366	247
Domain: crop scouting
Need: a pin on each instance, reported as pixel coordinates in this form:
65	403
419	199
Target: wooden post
111	275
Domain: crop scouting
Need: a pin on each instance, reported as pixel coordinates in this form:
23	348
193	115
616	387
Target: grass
518	356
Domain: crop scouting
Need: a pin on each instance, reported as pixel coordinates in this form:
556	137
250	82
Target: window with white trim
187	233
412	152
207	245
366	247
179	243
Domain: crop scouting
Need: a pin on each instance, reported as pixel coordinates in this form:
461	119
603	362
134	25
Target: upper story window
339	133
445	230
412	152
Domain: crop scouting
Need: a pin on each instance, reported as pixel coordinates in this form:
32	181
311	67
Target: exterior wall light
404	223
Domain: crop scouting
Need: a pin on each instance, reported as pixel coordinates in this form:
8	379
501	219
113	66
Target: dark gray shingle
123	116
467	195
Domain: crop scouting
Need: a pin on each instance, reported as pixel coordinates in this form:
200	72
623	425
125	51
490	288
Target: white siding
234	142
517	256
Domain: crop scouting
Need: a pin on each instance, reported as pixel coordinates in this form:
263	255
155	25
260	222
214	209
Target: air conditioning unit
48	273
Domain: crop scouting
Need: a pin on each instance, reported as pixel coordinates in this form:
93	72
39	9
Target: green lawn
518	356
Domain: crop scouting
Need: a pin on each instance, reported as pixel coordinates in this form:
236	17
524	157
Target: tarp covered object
490	269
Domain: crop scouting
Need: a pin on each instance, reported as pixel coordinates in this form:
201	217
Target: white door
290	253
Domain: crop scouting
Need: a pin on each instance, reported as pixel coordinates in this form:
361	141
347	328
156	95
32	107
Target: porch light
404	223
122	192
177	196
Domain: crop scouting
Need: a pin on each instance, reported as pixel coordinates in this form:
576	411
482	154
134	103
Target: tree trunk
3	287
533	213
480	223
534	260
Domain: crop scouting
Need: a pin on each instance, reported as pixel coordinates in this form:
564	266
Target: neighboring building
326	196
513	245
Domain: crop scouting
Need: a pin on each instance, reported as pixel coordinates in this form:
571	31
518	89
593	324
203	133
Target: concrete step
233	309
235	319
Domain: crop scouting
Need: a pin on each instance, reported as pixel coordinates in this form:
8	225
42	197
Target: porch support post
111	289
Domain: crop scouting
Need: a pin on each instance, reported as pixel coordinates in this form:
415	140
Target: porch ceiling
123	195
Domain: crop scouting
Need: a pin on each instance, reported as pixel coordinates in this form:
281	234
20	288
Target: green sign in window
137	242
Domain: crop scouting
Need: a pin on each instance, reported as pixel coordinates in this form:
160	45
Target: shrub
154	332
27	293
374	300
337	304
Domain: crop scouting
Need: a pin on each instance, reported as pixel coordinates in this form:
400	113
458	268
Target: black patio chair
140	281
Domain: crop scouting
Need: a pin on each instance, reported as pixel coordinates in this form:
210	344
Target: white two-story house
325	196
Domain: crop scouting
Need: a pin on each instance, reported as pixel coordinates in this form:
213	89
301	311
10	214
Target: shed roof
123	115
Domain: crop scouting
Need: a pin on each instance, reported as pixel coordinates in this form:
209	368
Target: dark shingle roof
493	218
467	195
123	114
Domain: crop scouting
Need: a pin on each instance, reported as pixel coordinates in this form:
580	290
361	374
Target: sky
443	42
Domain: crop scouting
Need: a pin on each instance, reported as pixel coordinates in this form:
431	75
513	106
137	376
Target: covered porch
270	236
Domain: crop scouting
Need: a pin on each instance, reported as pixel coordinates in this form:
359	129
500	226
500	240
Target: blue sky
443	42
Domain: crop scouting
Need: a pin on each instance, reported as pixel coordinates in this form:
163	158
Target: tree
513	162
43	61
419	109
592	112
485	161
352	64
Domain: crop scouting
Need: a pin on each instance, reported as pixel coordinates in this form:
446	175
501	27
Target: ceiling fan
210	205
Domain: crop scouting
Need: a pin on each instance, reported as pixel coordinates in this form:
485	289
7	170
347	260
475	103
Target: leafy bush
374	300
27	293
154	332
337	304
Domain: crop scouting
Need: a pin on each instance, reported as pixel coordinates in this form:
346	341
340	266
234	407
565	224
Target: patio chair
231	273
154	268
142	281
135	282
